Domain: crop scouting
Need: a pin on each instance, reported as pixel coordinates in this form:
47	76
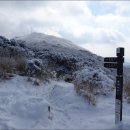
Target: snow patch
25	106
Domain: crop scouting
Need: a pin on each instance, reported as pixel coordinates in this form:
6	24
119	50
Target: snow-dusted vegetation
45	80
44	57
90	82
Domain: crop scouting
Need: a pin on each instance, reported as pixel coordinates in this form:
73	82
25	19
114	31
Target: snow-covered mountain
66	56
54	47
59	55
54	104
40	41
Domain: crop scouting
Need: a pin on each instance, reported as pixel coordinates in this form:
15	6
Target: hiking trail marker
117	63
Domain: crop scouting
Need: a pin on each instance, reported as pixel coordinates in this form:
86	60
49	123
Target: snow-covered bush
92	81
36	68
4	41
33	66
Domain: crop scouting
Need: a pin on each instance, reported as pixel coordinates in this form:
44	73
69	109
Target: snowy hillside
44	56
69	59
41	41
49	83
25	106
60	50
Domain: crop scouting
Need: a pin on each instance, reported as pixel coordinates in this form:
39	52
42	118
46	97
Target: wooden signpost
117	63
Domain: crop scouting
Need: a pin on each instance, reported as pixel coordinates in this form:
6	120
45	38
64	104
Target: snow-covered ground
23	105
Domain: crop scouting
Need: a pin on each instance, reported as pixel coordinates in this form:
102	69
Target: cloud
105	50
72	17
112	21
99	35
123	8
126	45
63	15
87	24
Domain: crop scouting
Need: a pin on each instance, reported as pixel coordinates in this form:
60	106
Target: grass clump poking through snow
127	90
6	65
20	64
10	66
87	90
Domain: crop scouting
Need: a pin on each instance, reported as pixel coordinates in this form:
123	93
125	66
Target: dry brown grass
11	65
20	64
127	91
6	64
88	91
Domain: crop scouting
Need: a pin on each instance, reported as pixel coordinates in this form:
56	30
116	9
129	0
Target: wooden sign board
117	63
110	65
110	59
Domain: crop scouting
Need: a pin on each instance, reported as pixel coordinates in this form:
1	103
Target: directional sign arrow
110	65
110	59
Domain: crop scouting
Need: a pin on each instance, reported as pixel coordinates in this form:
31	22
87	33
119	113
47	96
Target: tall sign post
117	63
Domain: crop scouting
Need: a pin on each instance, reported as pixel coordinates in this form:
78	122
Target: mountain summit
40	40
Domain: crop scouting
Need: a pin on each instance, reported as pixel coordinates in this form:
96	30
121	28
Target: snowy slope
64	52
50	45
67	58
40	40
25	106
64	60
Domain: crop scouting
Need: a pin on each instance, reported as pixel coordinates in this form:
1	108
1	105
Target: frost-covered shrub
13	42
36	68
33	67
4	41
96	77
92	81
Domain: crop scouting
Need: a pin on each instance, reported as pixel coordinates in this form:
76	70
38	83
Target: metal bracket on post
117	63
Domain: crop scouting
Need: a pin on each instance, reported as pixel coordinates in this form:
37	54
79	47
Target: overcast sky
99	26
